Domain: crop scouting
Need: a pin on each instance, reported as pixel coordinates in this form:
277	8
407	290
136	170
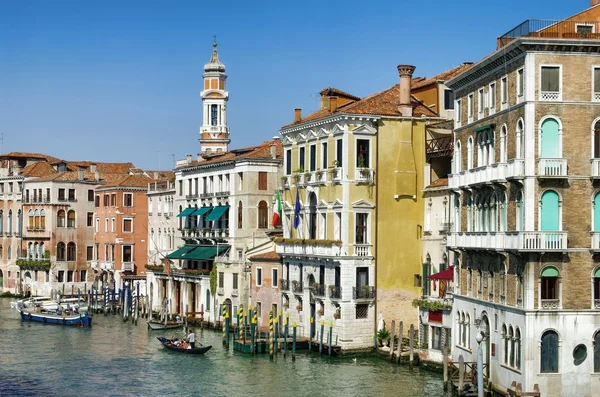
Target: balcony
595	247
221	291
107	265
364	175
33	229
191	196
320	177
595	173
309	178
515	169
550	304
552	168
297	287
552	29
335	292
535	241
365	292
284	284
440	147
318	290
298	179
336	175
93	264
206	195
235	292
286	181
362	250
128	267
222	194
306	248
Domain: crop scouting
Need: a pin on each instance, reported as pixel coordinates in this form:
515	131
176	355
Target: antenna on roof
174	165
1	142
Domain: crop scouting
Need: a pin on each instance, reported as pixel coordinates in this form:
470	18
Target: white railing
93	264
106	265
362	249
128	266
552	167
515	168
595	167
549	95
364	175
336	175
307	249
596	241
550	304
543	241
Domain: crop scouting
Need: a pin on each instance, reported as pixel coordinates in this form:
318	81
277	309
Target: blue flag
297	211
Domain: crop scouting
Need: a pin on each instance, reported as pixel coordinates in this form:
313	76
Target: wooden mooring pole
400	336
392	337
294	341
411	344
445	365
461	373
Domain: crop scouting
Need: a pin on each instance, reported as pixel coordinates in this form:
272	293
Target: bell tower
214	133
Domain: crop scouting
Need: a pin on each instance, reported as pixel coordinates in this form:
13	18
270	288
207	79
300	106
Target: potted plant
321	312
307	176
383	336
337	315
286	304
284	180
299	308
335	163
319	175
366	290
315	286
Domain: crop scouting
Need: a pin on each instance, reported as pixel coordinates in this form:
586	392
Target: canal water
114	358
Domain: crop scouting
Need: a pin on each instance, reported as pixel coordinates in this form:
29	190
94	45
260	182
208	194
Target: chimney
405	72
594	3
80	175
93	168
297	115
97	176
332	103
156	176
199	157
188	159
273	151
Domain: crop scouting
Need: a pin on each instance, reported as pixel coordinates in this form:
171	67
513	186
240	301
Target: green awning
550	271
179	253
216	213
485	127
187	211
201	211
206	252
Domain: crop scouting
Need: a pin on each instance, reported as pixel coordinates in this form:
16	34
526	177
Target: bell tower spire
214	133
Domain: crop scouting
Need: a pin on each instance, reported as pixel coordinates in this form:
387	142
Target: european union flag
297	211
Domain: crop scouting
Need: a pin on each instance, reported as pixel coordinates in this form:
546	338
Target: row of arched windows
463	329
511	342
9	219
70	218
35	250
66	252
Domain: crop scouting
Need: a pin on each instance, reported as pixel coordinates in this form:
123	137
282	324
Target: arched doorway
312	215
485	344
550	211
550	140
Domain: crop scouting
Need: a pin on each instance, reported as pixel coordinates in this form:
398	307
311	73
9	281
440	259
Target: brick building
526	207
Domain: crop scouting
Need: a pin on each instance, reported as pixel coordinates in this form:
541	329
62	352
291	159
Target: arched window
42	219
31	219
71	251
20	222
457	157
511	338
505	340
520	212
596	138
517	345
464	330
312	216
60	218
458	329
597	351
470	153
549	283
493	218
61	251
550	145
10	222
596	288
502	284
519	151
180	218
469	214
71	218
550	211
457	219
503	144
263	215
240	215
468	331
479	283
36	251
469	281
491	147
549	352
36	219
481	156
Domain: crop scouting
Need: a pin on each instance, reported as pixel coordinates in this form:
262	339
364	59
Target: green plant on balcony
366	290
432	306
196	272
296	177
319	174
283	180
321	243
30	264
156	268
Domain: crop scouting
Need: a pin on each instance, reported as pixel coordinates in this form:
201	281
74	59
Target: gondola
158	325
197	350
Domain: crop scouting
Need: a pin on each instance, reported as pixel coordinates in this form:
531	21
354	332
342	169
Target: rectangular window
90	252
240	182
492	98
127	200
324	164
90	219
323	226
113	200
313	158
301	159
69	276
61	276
480	99
470	107
127	225
361	228
262	180
504	90
259	277
61	194
339	152
448	99
83	276
235	281
97	225
584	30
71	194
338	226
520	82
550	82
90	195
597	84
127	254
362	153
436	338
275	278
106	200
105	225
97	202
288	162
113	221
221	279
457	111
362	310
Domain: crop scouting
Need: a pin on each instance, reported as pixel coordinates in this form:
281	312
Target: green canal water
114	358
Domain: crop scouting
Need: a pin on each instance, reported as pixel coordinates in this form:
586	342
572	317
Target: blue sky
120	81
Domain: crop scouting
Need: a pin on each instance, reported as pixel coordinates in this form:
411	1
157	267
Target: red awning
447	275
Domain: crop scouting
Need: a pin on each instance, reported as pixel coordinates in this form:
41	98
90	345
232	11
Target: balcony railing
552	29
364	175
440	147
307	249
128	266
107	265
552	168
362	249
595	168
284	284
596	303
550	304
363	292
206	195
549	95
596	96
336	174
221	291
297	287
335	292
595	241
319	290
534	241
222	193
191	196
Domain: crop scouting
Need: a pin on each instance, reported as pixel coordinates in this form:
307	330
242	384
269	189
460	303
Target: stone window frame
560	81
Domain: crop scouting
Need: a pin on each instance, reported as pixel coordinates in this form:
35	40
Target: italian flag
277	211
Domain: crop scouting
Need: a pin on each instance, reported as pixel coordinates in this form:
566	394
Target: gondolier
192	338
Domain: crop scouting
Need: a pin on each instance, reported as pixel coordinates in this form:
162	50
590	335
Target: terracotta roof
39	169
270	256
39	156
262	151
383	103
331	91
109	168
73	176
442	182
162	175
444	76
130	181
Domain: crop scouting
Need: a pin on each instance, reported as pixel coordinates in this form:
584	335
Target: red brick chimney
594	3
297	115
405	72
332	103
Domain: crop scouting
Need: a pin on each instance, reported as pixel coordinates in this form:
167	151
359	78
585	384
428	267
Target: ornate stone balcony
552	168
535	241
550	304
307	247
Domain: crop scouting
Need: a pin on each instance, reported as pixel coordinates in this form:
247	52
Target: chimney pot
405	72
594	3
273	151
188	158
297	115
332	103
199	157
93	168
97	175
80	175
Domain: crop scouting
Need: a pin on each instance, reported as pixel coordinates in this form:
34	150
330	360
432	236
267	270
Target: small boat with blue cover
74	319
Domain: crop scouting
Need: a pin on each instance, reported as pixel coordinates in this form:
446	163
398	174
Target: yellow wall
399	220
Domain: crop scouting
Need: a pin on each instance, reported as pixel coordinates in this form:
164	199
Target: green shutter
550	211
550	271
550	139
549	352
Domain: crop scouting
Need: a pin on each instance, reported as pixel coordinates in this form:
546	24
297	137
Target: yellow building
356	166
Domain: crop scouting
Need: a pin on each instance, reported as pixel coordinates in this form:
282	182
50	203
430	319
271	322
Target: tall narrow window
214	114
492	98
448	99
597	352
504	91
361	228
288	162
339	152
240	217
457	112
262	180
519	140
71	218
313	158
550	83
362	153
470	107
596	97
520	84
263	212
301	159
470	153
503	144
324	164
480	103
71	251
549	352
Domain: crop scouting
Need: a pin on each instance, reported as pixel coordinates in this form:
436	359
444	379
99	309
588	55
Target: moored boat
183	348
158	325
76	319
